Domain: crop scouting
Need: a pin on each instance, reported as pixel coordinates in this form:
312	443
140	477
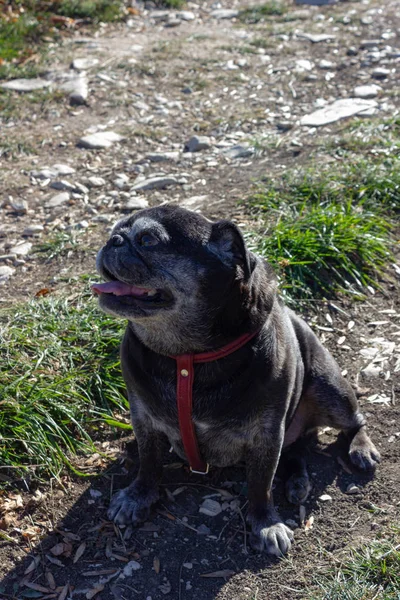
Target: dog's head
171	270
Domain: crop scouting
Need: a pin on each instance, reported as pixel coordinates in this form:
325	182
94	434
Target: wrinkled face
168	259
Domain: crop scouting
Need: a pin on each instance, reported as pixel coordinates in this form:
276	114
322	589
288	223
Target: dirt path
158	80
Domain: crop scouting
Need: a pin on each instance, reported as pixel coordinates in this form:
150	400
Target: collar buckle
201	472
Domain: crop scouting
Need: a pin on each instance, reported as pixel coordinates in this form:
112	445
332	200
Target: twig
244	525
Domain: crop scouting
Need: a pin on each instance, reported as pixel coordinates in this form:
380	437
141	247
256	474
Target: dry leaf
64	592
309	523
119	557
42	292
225	573
91	593
54	561
36	587
50	580
69	535
58	549
81	549
108	550
33	565
99	573
156	564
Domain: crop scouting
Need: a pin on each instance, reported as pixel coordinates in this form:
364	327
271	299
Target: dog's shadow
180	553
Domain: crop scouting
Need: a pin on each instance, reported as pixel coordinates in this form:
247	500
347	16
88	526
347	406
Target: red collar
184	396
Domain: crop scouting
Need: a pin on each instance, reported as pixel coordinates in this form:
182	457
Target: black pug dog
188	288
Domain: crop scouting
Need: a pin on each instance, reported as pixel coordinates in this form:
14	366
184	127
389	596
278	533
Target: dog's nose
117	240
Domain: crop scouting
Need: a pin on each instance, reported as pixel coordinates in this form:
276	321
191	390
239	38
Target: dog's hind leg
297	485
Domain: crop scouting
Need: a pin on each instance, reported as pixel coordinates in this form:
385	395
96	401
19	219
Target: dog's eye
146	240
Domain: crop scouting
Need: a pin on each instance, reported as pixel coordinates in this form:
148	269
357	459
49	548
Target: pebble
367	91
210	507
352	488
380	73
303	65
238	152
33	230
79	92
21	249
81	64
25	85
371	371
197	143
340	109
325	498
99	140
162	156
94	181
136	204
188	565
326	64
316	38
19	206
62	184
155	183
5	273
57	200
203	529
186	15
224	13
130	567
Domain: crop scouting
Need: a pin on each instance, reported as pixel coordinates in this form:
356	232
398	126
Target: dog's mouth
127	293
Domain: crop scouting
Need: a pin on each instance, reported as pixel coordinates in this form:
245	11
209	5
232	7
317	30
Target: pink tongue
118	288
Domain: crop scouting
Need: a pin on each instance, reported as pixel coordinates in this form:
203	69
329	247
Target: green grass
60	382
371	572
328	230
171	3
255	14
22	30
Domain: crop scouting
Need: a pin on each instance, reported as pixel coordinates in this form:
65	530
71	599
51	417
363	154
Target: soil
228	105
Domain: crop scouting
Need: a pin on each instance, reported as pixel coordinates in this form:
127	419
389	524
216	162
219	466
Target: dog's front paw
131	505
275	539
364	455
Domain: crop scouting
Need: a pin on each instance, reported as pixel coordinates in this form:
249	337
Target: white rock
81	64
57	200
303	65
5	274
155	183
315	38
94	181
62	184
197	143
380	73
136	204
238	152
61	169
352	488
325	498
224	13
186	15
162	156
19	206
188	565
210	507
340	109
367	91
326	64
26	85
21	249
32	230
371	371
130	567
101	139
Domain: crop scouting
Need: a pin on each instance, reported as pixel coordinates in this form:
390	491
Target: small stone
57	200
155	183
284	125
122	181
316	38
352	488
224	13
238	152
5	273
367	91
197	143
340	109
188	565
80	92
369	44
135	204
26	85
130	567
352	51
203	530
325	498
62	184
19	206
371	372
380	73
303	65
173	22
326	64
94	181
210	507
63	170
32	230
21	249
99	140
81	64
162	156
186	15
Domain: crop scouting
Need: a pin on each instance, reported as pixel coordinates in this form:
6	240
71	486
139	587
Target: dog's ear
226	242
